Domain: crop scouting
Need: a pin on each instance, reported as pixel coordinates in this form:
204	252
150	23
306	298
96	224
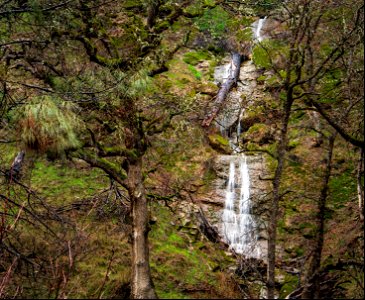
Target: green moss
194	57
342	187
293	144
220	139
65	184
261	78
219	143
178	262
128	4
193	10
299	251
256	128
8	153
195	72
308	230
259	134
290	284
162	25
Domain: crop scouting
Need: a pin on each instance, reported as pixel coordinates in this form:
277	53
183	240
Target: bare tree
302	68
312	281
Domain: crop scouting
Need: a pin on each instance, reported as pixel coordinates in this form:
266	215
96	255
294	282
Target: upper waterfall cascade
257	28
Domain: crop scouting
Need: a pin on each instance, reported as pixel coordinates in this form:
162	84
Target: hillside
181	149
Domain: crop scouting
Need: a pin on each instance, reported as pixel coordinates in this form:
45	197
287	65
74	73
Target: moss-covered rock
219	143
194	57
259	133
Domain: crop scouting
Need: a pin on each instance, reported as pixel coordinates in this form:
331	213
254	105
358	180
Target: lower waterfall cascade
239	226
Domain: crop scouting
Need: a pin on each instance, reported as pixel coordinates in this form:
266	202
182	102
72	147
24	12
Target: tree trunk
141	283
276	198
16	166
152	12
311	288
360	188
315	117
225	88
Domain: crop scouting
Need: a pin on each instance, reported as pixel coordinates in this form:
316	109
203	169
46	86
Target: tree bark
312	288
276	198
225	88
141	283
360	188
152	12
17	165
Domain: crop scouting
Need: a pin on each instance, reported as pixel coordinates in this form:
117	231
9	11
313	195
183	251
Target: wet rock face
213	202
239	98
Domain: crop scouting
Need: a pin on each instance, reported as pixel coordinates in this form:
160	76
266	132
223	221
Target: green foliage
260	57
48	124
270	52
215	21
244	35
180	260
263	7
330	85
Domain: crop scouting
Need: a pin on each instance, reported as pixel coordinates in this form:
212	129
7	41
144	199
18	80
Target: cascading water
257	32
239	228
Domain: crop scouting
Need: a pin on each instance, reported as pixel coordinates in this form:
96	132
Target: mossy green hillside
182	261
62	183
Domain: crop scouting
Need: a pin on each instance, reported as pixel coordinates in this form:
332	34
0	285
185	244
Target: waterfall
239	129
259	25
239	226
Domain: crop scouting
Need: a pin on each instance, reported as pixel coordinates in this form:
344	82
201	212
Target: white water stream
258	27
239	227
